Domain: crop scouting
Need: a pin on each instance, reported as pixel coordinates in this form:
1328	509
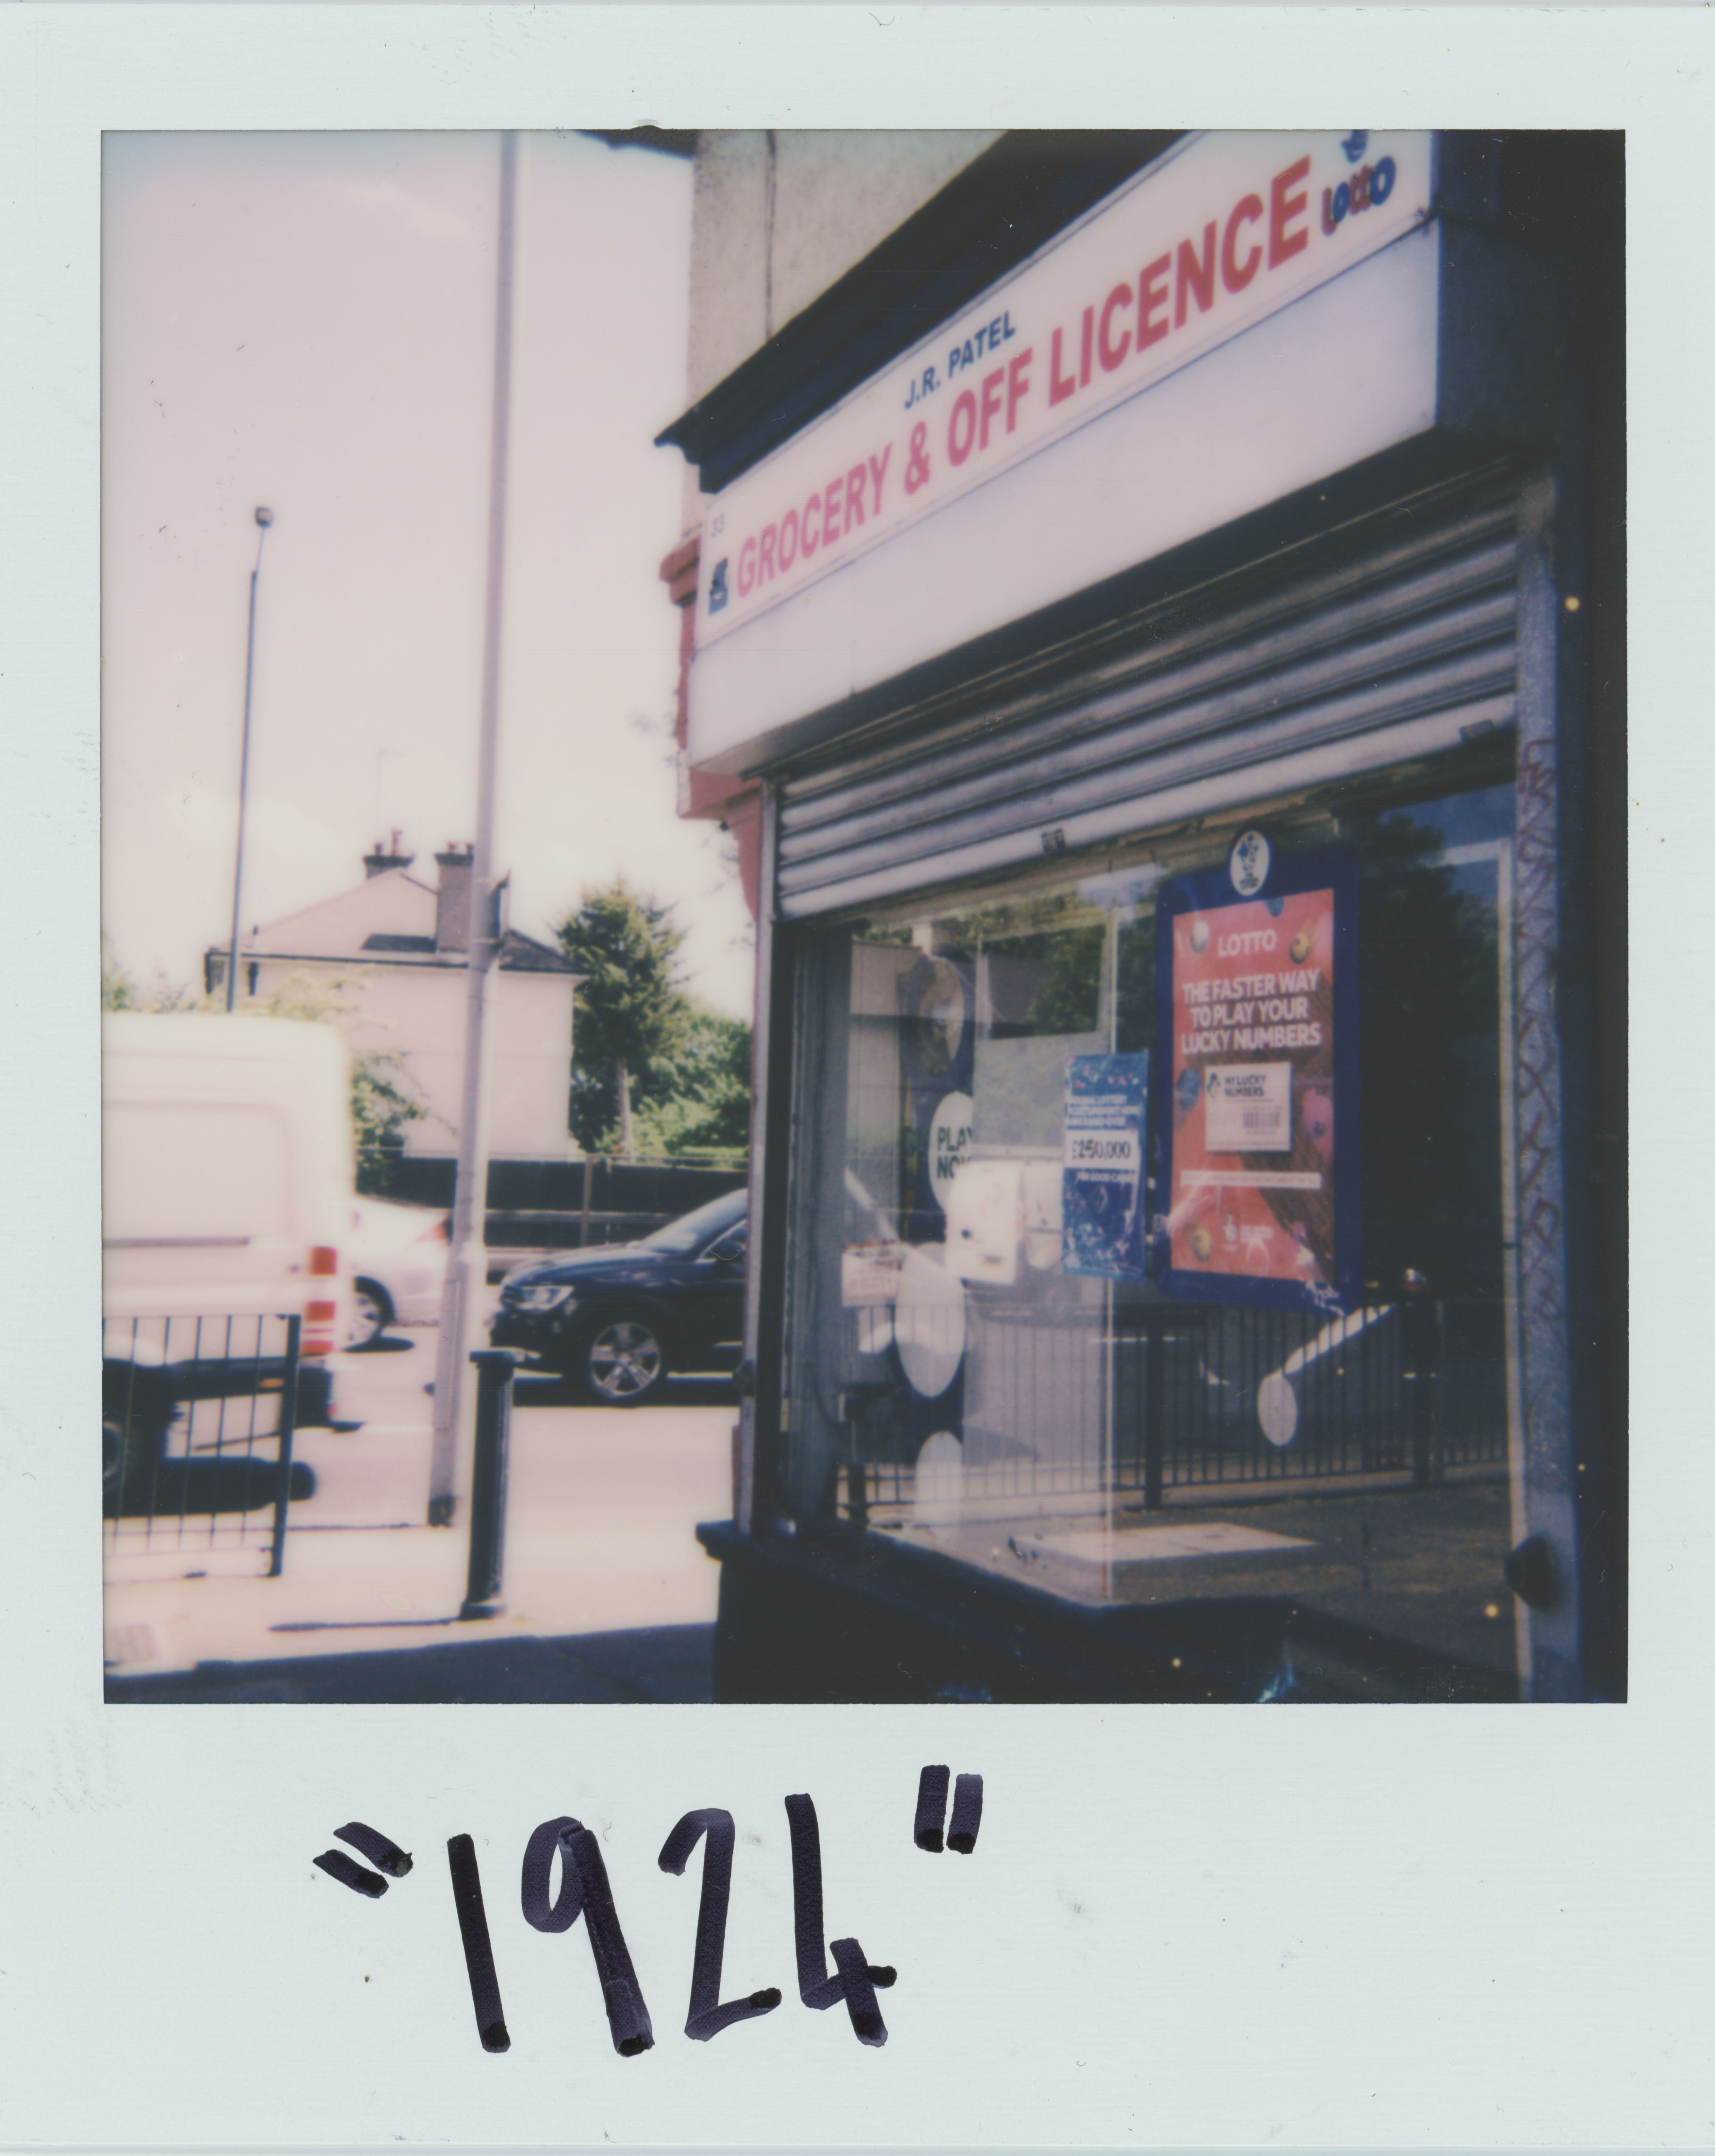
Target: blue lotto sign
1106	1114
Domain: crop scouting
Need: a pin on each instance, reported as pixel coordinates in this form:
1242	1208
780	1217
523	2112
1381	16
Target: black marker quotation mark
375	1847
932	1811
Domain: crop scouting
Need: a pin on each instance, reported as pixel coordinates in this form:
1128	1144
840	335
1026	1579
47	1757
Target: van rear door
196	1192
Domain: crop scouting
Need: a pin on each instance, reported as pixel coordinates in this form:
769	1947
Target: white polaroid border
1462	1928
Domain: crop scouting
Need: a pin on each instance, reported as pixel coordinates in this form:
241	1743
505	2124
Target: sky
306	321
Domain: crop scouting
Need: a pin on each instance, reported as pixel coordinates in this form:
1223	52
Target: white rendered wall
418	1014
777	220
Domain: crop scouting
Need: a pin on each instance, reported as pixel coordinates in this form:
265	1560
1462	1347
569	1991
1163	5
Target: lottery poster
1106	1101
1258	1123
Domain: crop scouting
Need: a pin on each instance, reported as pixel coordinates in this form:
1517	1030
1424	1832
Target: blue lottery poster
1107	1107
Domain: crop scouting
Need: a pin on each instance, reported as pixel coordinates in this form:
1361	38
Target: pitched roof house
394	947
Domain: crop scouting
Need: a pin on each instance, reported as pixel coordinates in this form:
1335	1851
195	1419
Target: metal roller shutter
1399	653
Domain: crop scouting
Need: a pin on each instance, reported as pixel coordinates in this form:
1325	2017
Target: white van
227	1191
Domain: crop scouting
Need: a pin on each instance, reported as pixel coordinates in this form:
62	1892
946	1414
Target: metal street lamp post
461	1303
265	517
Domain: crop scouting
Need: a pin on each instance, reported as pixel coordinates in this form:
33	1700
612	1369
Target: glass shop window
1152	1240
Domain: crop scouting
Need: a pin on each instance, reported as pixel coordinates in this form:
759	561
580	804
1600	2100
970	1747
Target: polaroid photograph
865	801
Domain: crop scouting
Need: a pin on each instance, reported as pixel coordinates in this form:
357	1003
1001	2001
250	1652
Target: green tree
698	1096
655	1070
384	1099
633	1014
120	992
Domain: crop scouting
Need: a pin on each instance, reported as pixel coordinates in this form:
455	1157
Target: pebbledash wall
1154	616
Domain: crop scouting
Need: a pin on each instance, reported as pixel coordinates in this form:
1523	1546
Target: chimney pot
386	857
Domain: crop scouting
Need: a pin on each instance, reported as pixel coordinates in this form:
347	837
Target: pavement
608	1595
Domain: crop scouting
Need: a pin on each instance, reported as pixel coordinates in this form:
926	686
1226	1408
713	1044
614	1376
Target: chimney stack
386	857
452	897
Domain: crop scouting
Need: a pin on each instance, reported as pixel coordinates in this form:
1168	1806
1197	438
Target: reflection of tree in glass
1429	1072
1061	970
1047	952
1134	1021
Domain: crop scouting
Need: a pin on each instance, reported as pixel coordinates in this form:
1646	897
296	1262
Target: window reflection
956	1384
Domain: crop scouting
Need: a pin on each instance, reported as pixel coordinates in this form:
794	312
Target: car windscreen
679	1238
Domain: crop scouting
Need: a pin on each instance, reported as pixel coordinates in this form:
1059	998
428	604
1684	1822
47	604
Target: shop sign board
1224	231
1102	1215
1256	1201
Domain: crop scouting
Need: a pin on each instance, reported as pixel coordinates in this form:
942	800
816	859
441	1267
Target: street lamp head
265	517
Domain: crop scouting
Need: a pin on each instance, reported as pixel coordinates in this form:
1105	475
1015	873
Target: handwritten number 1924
584	1890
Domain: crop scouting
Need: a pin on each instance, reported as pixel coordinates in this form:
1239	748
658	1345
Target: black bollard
488	1484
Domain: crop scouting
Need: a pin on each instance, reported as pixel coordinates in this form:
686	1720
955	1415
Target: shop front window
1151	1229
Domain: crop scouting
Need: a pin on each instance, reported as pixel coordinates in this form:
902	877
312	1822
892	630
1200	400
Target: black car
617	1319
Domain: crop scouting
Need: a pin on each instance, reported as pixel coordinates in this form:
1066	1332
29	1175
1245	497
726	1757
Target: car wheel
372	1313
623	1362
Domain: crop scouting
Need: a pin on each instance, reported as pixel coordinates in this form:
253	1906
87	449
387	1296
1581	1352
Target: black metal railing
198	1419
1188	1401
565	1205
